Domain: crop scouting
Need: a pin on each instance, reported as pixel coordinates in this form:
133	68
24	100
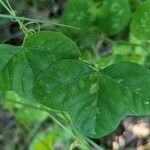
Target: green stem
13	15
39	21
3	4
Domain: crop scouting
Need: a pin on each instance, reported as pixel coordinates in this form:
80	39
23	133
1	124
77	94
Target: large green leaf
140	24
95	101
19	66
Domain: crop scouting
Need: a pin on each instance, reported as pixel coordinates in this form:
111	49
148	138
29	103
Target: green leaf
19	66
95	101
68	89
44	48
15	72
136	79
23	109
112	16
140	24
109	17
77	13
6	52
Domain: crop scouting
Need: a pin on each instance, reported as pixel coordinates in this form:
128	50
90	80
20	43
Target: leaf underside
47	69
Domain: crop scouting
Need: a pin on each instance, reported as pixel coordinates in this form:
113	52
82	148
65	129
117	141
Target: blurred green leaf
140	24
112	16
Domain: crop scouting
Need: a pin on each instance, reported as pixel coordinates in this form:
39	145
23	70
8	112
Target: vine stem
39	21
3	4
13	14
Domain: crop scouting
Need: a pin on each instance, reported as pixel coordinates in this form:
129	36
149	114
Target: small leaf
140	24
15	72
